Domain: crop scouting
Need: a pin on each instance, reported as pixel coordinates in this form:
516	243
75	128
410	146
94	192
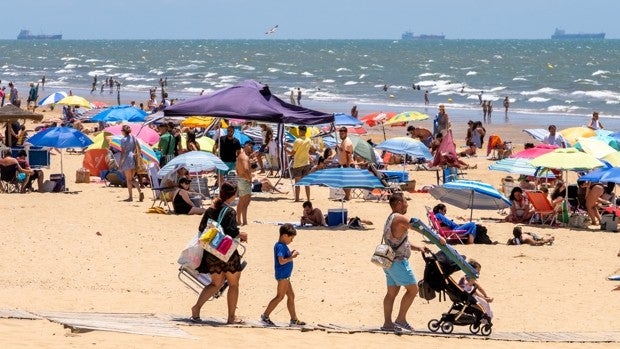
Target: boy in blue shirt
283	262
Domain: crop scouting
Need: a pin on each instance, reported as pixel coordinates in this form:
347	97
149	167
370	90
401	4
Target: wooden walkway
168	326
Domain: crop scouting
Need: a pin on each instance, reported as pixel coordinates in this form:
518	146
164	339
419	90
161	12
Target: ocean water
540	77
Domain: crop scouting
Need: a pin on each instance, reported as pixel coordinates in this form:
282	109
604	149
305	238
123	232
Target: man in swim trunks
229	148
244	182
396	235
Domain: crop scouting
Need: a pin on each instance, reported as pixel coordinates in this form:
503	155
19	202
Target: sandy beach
87	251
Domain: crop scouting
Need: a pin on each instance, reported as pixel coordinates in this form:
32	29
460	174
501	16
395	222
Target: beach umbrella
75	101
363	149
572	133
348	178
120	113
406	117
373	119
595	147
406	146
470	195
206	143
99	104
100	141
201	121
520	166
52	98
60	137
566	159
603	175
147	153
196	162
341	119
141	132
539	134
613	159
531	153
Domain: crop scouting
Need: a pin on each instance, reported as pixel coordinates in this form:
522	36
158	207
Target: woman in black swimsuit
181	202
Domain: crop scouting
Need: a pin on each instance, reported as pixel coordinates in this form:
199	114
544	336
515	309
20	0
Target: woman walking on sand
129	144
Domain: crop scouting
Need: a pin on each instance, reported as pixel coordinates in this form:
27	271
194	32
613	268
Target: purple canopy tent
250	100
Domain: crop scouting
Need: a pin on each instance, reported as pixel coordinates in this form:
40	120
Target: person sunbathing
312	216
521	238
264	185
520	210
440	211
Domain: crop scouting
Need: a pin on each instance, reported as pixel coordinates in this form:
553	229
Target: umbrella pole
471	213
383	127
61	167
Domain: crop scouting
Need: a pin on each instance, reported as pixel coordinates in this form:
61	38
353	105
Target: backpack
425	290
481	235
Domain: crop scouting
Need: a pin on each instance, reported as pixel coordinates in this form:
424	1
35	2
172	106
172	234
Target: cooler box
397	176
59	180
336	217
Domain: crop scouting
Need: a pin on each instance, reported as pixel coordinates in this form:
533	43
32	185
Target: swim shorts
400	274
244	187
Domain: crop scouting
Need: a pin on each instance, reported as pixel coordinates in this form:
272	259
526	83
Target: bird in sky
272	30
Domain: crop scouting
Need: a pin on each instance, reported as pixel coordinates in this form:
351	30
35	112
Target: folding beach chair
196	281
160	194
542	207
9	182
451	236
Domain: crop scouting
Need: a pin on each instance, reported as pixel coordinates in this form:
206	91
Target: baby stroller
465	310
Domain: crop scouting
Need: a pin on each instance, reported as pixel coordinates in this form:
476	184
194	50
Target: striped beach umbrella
342	178
148	154
53	98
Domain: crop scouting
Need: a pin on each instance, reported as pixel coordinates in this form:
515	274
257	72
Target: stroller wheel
486	330
433	325
447	327
474	328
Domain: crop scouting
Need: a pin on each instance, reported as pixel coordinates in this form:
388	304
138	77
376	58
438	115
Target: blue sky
309	19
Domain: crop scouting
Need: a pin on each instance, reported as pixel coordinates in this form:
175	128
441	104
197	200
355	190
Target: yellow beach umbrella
407	116
75	101
206	143
310	131
613	159
100	141
572	133
566	159
201	121
595	147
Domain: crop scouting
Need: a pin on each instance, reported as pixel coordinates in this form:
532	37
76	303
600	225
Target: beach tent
250	100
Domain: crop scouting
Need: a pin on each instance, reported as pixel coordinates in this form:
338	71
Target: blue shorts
231	166
400	274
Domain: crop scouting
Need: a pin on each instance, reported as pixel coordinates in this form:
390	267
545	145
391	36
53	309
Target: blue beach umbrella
470	195
341	119
60	137
53	98
406	146
603	175
120	113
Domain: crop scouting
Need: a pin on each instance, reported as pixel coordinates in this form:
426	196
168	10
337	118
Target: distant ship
409	36
26	35
560	34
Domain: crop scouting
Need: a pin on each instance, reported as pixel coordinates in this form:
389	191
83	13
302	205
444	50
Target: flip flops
404	326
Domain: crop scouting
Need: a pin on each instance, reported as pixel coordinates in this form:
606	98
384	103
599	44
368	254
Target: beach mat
447	249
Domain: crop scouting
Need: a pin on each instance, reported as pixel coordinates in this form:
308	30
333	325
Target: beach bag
191	256
384	254
425	290
140	165
215	241
481	235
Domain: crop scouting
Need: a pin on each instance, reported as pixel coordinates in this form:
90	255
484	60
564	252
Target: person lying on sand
521	238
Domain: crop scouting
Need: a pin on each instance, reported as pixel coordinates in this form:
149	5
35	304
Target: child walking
283	261
467	284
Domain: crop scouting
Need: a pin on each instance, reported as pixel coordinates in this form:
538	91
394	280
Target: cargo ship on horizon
560	34
408	35
25	34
